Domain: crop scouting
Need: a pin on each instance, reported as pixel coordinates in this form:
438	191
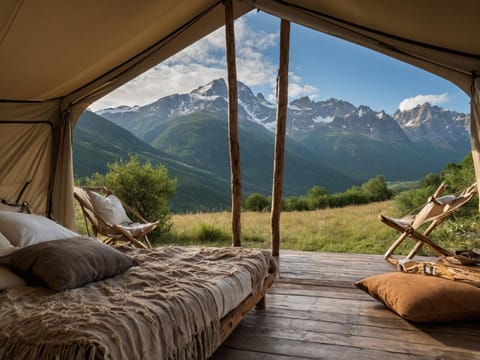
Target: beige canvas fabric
64	55
76	54
475	127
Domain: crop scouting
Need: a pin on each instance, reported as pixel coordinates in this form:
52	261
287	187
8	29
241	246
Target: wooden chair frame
435	211
95	219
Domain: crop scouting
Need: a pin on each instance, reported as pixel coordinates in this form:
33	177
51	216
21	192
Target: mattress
167	307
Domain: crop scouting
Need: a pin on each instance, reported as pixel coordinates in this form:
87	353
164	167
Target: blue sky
321	67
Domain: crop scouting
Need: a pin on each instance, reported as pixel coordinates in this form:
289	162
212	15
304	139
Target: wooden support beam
236	183
282	102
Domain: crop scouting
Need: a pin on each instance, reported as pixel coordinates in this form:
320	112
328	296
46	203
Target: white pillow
8	279
5	246
28	229
110	208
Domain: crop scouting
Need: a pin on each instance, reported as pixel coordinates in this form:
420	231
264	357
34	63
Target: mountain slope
201	139
333	136
97	142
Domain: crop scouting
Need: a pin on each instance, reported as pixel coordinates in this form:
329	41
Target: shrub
209	233
408	201
321	202
376	189
144	187
456	176
317	191
293	203
257	202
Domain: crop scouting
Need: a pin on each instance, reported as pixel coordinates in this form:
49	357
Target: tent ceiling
73	52
440	36
446	24
50	48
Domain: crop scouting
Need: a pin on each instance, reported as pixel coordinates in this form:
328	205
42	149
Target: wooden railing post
282	102
236	183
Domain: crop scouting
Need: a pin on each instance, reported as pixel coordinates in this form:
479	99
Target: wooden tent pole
234	146
282	102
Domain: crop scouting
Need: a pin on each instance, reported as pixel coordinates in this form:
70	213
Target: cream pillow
4	243
28	229
110	208
5	246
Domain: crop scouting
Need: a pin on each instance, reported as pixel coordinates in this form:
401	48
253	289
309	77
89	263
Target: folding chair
107	215
434	212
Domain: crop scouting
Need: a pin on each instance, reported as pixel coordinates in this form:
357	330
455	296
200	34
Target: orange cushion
423	298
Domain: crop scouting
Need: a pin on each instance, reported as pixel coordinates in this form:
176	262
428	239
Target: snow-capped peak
217	87
119	109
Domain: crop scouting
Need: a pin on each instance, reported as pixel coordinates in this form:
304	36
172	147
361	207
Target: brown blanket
168	307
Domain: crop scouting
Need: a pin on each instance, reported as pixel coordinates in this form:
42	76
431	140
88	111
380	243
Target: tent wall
27	133
77	67
57	57
475	127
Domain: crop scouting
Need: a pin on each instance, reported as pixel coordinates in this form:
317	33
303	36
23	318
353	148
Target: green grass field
349	229
352	229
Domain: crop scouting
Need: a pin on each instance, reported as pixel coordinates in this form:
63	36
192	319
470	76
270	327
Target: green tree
317	191
257	202
456	176
432	181
459	176
145	187
376	189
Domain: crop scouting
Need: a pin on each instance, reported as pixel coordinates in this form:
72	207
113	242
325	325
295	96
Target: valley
330	143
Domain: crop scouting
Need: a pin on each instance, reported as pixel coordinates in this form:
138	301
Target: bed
169	303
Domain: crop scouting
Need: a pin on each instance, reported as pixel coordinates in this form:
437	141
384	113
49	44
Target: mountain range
330	143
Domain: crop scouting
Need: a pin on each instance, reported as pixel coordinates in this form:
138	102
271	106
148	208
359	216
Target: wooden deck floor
313	311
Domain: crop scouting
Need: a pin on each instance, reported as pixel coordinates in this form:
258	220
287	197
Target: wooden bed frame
222	328
234	317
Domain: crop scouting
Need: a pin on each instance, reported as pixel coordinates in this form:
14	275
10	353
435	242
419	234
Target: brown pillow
423	298
68	263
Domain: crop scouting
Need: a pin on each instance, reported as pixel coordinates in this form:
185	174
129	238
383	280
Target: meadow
352	229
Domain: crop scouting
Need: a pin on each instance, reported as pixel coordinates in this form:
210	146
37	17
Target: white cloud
296	89
160	81
410	103
199	64
205	61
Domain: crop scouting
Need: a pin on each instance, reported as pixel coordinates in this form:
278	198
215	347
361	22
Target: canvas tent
57	57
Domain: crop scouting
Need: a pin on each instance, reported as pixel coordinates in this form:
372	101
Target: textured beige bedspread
168	307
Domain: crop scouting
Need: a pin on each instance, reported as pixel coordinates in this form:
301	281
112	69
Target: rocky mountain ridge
424	124
344	144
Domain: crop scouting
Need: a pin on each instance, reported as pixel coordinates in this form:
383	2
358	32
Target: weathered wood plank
412	338
239	354
380	322
313	311
349	343
314	350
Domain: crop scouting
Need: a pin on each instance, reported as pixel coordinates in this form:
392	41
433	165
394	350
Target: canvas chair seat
108	217
433	213
134	228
